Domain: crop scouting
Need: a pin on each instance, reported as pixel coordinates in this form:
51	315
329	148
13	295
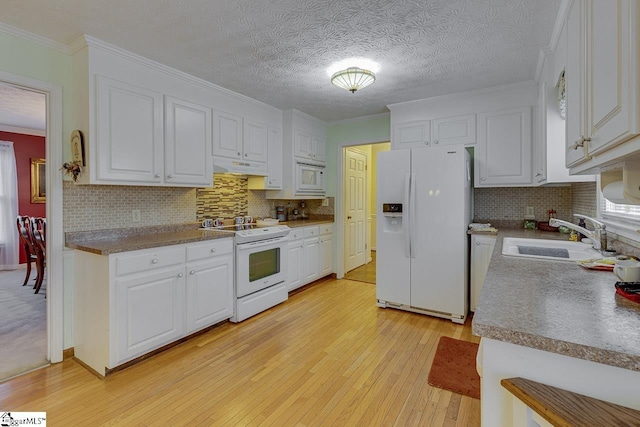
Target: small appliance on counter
303	214
280	213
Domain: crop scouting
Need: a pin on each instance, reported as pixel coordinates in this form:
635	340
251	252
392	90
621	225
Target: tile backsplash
100	207
510	203
227	198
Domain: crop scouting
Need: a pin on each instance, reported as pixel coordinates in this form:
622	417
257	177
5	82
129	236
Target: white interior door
355	202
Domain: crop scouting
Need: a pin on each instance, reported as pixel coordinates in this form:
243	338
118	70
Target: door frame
55	234
339	248
366	201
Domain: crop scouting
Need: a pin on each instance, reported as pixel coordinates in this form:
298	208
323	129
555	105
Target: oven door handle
271	242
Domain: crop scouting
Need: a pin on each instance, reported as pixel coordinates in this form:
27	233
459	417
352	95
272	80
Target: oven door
260	265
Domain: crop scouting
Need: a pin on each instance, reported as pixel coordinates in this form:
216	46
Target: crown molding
22	131
360	119
134	57
307	116
462	95
563	12
34	38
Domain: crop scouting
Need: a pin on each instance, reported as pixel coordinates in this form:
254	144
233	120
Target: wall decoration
38	181
77	148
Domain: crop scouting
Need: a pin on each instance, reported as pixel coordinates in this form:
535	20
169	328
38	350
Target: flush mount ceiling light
353	73
353	78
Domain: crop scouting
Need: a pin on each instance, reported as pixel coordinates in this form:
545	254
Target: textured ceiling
277	51
22	108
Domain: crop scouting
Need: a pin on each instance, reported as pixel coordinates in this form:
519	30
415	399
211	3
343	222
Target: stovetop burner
246	233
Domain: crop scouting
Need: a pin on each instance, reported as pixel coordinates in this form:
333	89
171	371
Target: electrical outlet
529	210
325	201
135	215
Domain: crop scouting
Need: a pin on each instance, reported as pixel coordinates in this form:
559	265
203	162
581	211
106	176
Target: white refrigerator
423	211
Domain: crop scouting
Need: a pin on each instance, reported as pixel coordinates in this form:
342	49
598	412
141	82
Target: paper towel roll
614	192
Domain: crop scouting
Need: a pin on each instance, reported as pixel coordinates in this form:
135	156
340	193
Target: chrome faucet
598	236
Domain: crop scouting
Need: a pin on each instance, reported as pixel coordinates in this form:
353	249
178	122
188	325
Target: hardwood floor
326	357
364	273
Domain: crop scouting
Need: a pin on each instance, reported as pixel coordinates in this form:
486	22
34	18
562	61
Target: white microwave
309	179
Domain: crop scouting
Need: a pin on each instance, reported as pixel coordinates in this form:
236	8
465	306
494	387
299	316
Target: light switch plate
325	201
135	215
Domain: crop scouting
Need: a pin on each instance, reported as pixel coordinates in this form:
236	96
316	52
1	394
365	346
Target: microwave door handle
405	214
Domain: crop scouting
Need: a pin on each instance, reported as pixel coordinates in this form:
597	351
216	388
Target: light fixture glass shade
353	78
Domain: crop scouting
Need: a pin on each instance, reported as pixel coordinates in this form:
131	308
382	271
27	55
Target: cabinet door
454	130
187	143
227	135
296	265
575	86
149	312
612	54
411	134
209	292
311	259
504	147
302	144
319	146
254	145
481	250
129	133
274	159
540	136
326	263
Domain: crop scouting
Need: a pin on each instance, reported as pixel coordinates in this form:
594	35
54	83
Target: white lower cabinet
149	311
310	255
209	296
481	250
135	302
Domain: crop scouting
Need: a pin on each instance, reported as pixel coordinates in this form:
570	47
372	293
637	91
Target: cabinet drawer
311	231
151	260
326	228
209	249
296	233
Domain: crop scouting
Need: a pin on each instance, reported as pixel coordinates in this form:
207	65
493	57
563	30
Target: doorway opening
23	284
359	210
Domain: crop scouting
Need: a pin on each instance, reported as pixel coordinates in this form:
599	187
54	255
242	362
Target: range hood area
243	167
620	185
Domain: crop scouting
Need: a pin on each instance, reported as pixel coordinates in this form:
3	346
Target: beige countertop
105	242
558	307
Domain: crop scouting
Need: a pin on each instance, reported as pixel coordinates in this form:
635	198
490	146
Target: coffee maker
280	214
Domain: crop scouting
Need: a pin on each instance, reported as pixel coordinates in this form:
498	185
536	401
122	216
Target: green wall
361	132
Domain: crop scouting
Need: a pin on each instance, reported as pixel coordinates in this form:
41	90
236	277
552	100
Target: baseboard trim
68	353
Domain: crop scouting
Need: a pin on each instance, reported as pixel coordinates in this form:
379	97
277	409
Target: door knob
348	217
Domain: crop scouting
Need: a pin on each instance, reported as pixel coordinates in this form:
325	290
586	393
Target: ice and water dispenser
392	213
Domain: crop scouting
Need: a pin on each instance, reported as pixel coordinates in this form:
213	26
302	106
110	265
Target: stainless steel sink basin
555	250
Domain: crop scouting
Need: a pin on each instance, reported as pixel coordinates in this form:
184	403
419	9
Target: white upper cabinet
503	155
413	134
602	83
129	133
454	130
540	136
309	146
227	135
254	141
273	180
187	143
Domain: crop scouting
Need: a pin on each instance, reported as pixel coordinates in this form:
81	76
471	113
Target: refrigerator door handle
413	215
407	217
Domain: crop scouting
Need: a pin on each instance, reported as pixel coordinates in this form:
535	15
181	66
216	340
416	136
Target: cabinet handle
246	154
580	142
154	261
538	174
170	176
436	141
477	243
483	179
156	175
426	142
239	154
213	250
180	274
270	182
192	272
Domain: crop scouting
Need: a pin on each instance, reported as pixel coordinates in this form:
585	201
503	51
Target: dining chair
39	232
24	231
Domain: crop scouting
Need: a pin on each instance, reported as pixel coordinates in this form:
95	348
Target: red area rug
454	367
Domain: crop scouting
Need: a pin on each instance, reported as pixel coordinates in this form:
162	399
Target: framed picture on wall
38	181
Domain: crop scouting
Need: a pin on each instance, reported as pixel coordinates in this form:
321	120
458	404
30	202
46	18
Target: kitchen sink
555	250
